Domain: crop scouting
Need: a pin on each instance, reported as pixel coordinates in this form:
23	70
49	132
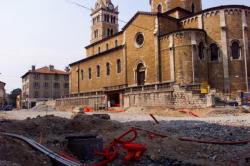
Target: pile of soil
17	153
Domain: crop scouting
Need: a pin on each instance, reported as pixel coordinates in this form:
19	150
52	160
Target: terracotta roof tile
46	70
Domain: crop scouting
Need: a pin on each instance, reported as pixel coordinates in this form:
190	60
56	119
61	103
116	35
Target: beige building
43	84
177	43
2	94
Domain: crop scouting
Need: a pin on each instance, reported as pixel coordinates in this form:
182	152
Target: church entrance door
141	72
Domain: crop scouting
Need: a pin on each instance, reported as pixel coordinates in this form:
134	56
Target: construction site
138	136
169	88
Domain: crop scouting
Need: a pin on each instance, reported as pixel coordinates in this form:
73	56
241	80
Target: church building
177	43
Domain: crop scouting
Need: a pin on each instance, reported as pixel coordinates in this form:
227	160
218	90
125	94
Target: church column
224	51
125	59
171	59
245	43
157	51
194	53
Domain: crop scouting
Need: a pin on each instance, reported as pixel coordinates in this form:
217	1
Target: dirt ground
221	124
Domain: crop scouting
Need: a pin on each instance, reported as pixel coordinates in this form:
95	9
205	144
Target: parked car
8	108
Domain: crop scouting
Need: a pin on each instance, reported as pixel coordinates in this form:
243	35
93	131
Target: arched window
116	43
90	74
141	72
235	50
111	32
108	69
107	46
108	32
201	50
107	18
118	66
99	49
98	70
193	8
82	75
159	8
214	51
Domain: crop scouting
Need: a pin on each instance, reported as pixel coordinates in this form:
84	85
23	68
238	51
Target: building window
37	76
214	51
107	46
159	8
119	66
113	19
46	94
56	77
36	94
98	18
235	50
107	18
66	85
193	8
36	85
46	85
46	77
96	34
56	85
108	69
116	43
201	50
108	32
90	76
139	39
99	49
111	32
66	77
82	75
98	71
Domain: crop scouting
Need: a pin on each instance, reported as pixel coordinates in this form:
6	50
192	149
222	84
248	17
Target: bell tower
166	5
104	20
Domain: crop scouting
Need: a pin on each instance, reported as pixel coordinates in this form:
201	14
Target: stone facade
43	84
179	44
2	94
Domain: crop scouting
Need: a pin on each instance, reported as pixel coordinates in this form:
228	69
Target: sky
44	32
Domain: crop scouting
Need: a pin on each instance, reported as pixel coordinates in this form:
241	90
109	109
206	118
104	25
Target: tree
13	95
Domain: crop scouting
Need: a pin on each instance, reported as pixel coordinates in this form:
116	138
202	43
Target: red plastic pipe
214	142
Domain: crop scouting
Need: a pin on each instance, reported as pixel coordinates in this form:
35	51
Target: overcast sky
43	32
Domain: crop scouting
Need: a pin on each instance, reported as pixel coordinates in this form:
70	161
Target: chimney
33	67
51	67
67	69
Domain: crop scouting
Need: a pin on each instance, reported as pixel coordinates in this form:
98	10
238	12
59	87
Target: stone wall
172	97
95	102
177	98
